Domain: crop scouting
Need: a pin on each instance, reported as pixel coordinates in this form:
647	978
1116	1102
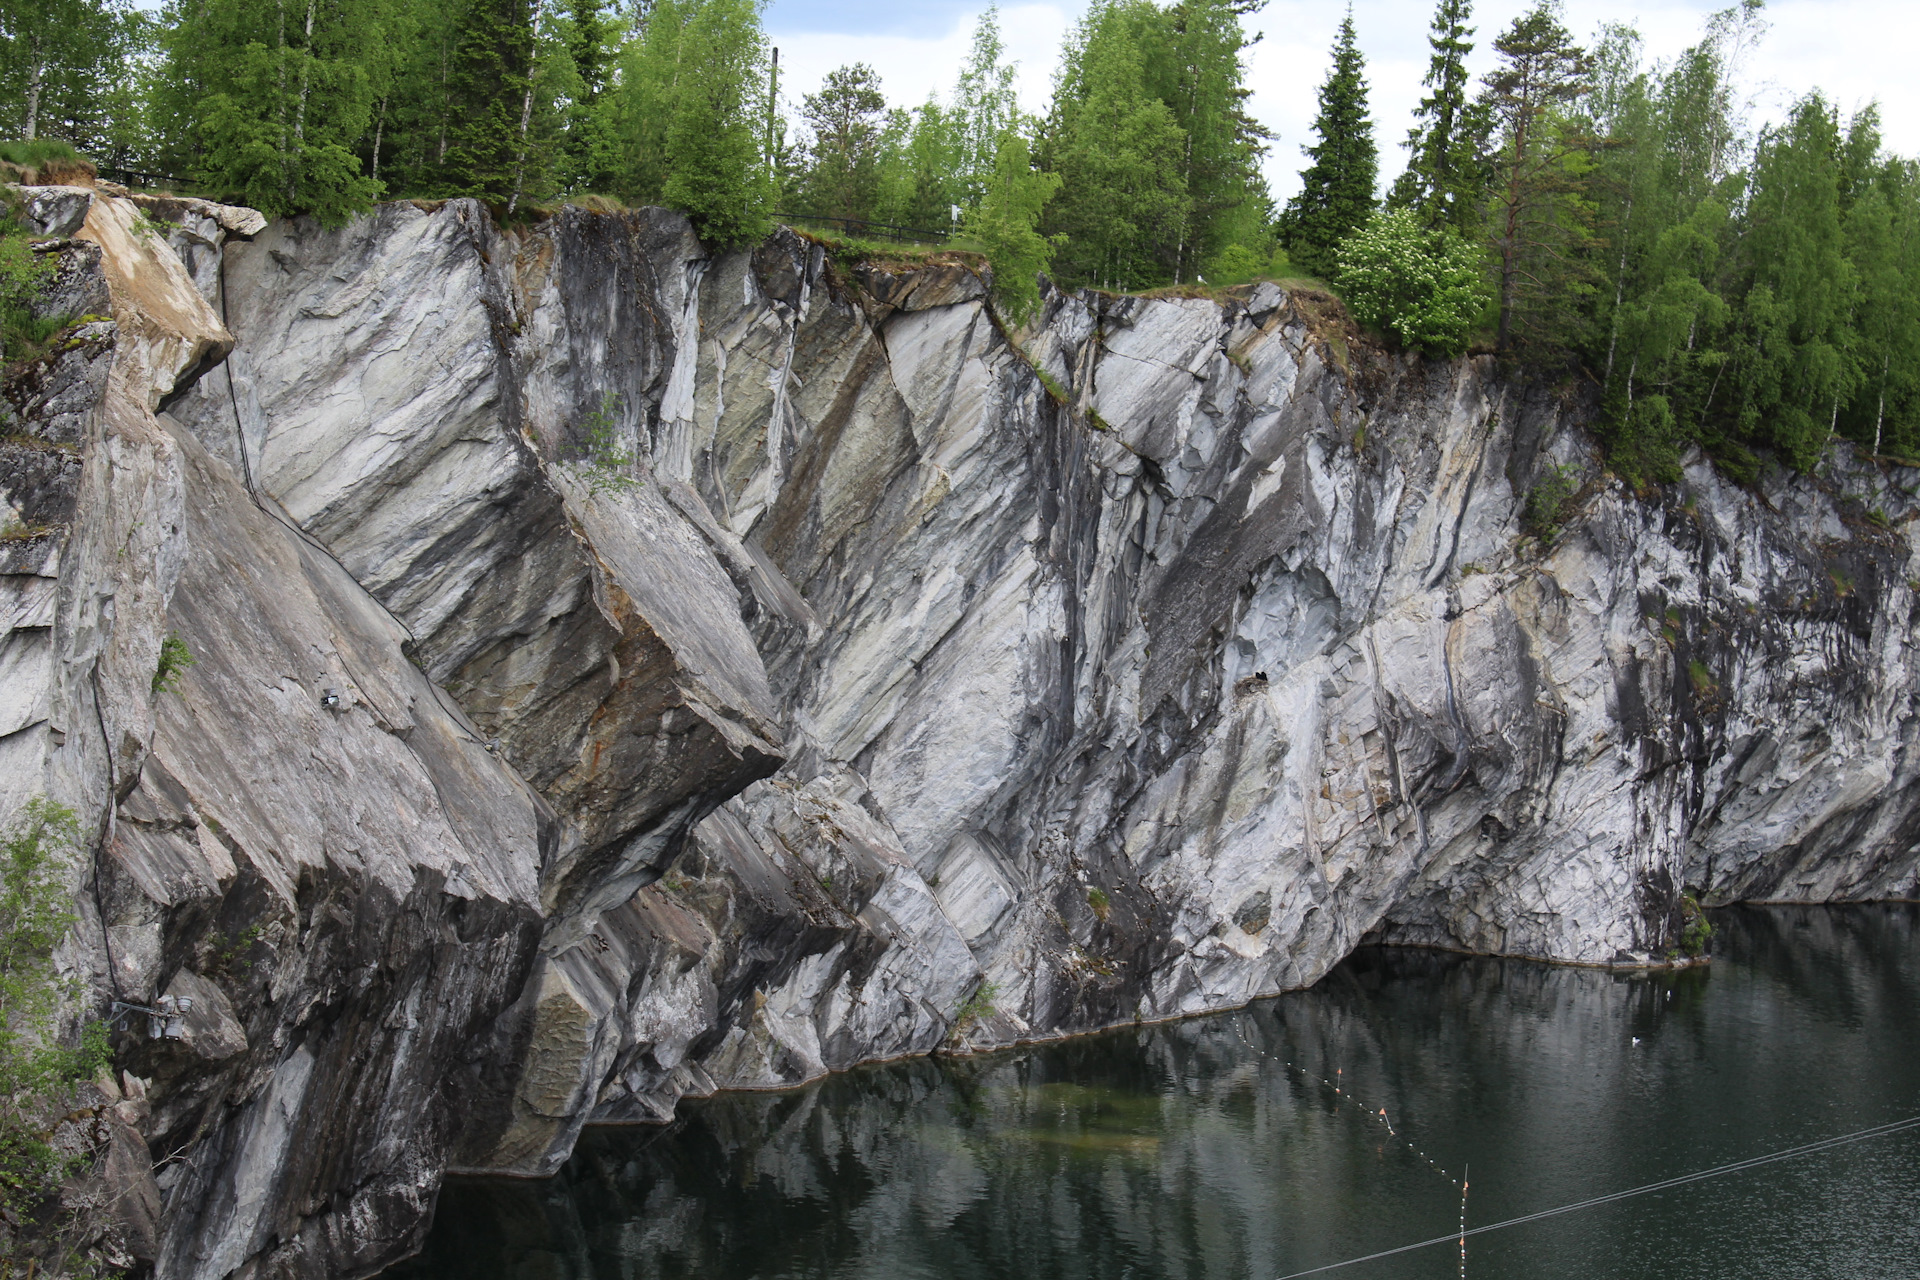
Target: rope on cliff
1738	1166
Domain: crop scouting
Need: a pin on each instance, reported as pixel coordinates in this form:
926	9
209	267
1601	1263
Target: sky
1859	51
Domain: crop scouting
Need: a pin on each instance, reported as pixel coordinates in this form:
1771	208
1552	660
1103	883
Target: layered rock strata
623	671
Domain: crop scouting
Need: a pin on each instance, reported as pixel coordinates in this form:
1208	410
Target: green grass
34	154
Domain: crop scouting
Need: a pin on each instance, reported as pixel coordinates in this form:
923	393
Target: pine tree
1540	216
585	161
1337	189
845	120
1443	180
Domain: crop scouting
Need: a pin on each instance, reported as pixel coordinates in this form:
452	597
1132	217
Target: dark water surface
1191	1150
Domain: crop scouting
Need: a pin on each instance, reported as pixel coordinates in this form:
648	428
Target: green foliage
490	88
1157	158
265	105
691	117
22	275
1696	931
1101	904
1421	288
977	1008
175	658
845	121
1117	149
1550	502
1241	263
605	461
1540	219
36	1069
1336	191
34	154
1003	223
65	74
228	953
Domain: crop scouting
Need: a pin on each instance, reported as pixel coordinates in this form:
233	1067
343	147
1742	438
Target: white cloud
911	67
1857	50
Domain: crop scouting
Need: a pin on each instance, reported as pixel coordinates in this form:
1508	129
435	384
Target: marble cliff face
624	672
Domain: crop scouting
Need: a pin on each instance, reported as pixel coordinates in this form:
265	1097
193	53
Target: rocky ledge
623	672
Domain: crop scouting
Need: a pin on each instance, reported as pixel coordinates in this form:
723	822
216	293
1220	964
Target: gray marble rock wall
749	665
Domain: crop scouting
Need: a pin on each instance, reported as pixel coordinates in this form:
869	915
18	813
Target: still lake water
1192	1150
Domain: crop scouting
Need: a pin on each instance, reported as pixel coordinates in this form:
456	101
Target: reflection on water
1186	1151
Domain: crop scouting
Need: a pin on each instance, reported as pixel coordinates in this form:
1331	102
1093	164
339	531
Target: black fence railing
872	230
138	177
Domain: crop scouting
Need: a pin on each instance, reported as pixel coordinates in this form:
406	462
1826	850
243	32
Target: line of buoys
1338	1086
1738	1166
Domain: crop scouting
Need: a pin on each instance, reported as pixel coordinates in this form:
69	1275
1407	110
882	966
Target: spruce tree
585	160
490	85
1443	179
267	105
1336	191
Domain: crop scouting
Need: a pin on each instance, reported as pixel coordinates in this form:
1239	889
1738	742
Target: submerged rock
623	672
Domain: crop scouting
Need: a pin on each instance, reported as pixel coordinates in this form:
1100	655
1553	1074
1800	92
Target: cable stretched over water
1824	1144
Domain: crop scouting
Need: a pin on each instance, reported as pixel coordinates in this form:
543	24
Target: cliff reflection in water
1182	1151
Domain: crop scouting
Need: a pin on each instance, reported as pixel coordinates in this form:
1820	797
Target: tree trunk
280	95
36	80
773	101
1880	413
300	115
526	111
379	128
1619	291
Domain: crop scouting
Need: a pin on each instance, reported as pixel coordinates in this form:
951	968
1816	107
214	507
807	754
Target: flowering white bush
1420	288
